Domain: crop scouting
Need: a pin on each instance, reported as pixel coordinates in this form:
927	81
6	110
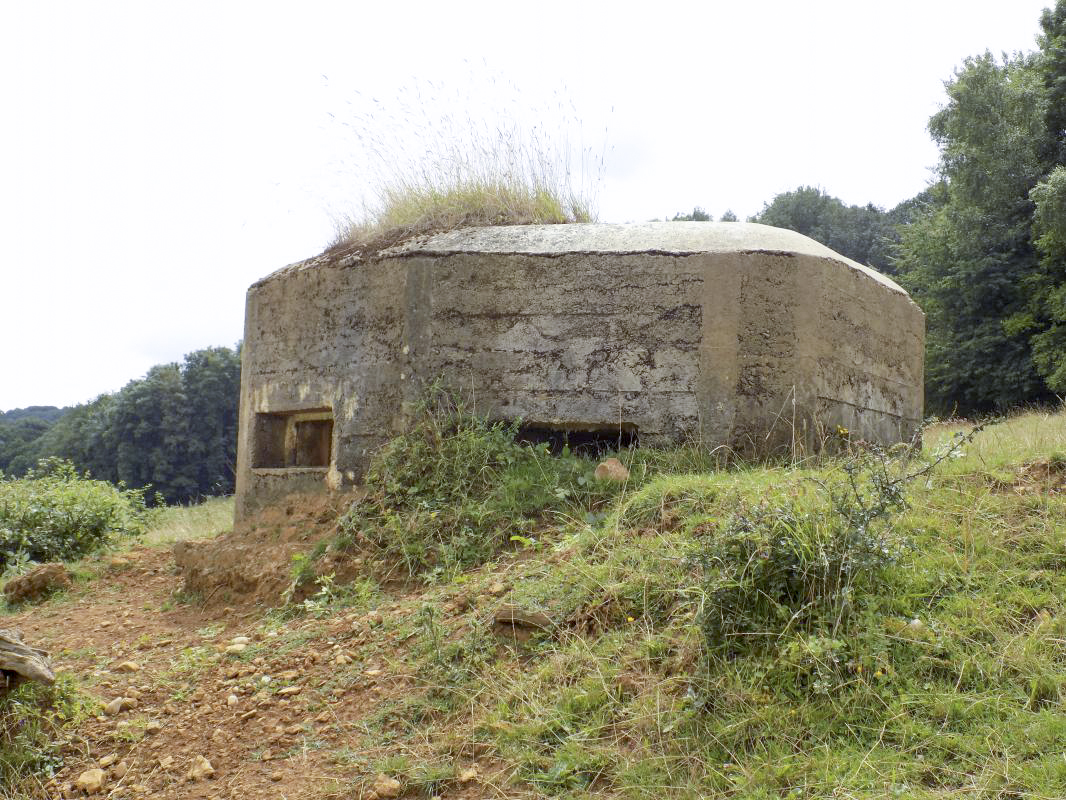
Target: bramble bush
793	572
54	513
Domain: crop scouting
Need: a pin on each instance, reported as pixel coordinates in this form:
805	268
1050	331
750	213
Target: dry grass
177	523
1023	435
428	172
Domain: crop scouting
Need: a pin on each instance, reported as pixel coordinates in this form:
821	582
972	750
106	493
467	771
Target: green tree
697	215
970	259
17	443
1053	73
862	233
212	381
175	429
1046	313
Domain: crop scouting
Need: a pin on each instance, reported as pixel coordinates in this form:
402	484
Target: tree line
174	430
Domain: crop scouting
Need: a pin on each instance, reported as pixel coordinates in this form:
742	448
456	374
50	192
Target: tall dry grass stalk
433	162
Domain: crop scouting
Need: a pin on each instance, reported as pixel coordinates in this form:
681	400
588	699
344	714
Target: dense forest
174	430
982	250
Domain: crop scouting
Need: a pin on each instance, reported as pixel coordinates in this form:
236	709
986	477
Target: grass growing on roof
436	172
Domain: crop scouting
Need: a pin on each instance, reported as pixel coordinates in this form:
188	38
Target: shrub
457	487
794	562
807	557
53	513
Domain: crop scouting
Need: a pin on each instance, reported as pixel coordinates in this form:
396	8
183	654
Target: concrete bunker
734	334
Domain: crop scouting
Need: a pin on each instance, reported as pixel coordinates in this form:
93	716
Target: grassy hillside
831	629
872	625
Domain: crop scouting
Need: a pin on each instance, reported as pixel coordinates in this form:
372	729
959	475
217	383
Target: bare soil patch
277	706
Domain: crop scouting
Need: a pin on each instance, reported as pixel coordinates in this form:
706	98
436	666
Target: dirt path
276	713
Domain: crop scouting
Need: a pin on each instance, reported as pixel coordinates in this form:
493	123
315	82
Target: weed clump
406	210
457	487
35	724
805	558
54	513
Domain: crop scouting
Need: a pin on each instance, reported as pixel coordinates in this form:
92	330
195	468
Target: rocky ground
213	701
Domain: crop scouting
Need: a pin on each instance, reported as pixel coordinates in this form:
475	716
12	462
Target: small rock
38	583
611	469
241	640
384	786
91	781
232	700
118	705
153	726
515	616
234	649
277	776
108	760
290	690
341	659
468	775
127	666
120	769
166	762
201	768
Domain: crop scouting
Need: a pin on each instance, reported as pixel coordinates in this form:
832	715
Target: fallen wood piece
508	614
26	662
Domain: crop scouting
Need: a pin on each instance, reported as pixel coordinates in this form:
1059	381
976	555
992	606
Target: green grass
176	523
861	626
933	668
36	722
1001	449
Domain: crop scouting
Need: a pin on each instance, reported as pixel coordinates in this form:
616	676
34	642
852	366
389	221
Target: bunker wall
749	349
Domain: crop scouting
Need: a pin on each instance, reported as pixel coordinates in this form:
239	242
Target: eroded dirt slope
209	700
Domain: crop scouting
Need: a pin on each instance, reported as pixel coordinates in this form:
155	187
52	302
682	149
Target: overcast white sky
157	158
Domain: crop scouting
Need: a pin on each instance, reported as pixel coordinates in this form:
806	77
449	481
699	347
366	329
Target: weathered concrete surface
737	334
